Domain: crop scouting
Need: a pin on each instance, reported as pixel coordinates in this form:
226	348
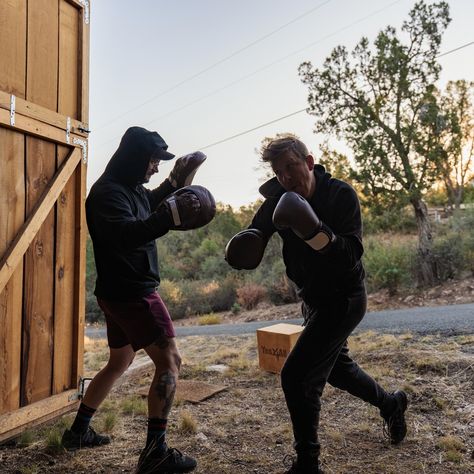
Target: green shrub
187	297
391	220
388	265
448	254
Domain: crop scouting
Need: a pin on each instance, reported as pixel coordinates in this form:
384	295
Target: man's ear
310	162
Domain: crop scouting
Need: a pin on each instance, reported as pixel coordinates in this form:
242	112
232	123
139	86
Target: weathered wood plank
12	211
13	47
36	128
16	421
38	303
42	114
38	280
12	204
64	344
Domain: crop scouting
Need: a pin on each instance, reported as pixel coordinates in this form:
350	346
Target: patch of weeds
97	361
32	469
428	364
53	440
453	456
134	406
363	427
440	403
210	318
187	423
108	405
25	439
109	421
452	447
410	389
193	370
335	436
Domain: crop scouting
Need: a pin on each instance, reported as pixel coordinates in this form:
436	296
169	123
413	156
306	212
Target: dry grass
246	429
210	318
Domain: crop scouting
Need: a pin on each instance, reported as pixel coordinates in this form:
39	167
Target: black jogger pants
321	355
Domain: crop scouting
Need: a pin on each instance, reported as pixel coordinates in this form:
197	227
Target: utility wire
302	110
455	49
252	129
212	66
310	45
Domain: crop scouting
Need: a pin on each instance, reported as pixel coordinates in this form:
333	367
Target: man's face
295	174
152	169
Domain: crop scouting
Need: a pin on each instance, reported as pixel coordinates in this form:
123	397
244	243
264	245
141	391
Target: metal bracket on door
85	3
83	145
68	130
12	110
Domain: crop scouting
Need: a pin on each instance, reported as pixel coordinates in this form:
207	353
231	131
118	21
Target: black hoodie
319	276
122	222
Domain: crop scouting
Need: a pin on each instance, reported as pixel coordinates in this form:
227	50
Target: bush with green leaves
388	266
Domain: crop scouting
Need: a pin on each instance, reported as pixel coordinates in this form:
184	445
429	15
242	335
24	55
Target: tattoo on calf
162	342
165	389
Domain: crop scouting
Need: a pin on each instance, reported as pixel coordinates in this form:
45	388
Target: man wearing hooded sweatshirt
319	221
124	219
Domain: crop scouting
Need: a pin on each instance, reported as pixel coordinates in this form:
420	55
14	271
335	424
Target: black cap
162	154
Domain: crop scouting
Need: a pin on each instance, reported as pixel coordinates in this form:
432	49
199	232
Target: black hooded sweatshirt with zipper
338	271
124	222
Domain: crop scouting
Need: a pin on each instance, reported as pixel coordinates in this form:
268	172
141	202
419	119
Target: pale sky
202	71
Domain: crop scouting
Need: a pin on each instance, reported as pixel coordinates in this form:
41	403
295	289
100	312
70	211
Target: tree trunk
427	270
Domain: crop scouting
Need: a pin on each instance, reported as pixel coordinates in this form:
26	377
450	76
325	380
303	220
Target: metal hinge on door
12	110
85	3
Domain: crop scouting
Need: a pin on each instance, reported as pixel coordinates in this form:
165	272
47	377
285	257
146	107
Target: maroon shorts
139	322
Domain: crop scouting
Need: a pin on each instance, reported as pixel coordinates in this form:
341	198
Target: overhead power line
252	129
267	66
212	66
302	110
455	49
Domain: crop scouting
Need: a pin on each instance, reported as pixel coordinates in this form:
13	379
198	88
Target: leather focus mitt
190	207
185	168
245	250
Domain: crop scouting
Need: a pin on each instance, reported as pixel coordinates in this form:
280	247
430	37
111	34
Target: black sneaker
169	460
395	427
307	466
88	439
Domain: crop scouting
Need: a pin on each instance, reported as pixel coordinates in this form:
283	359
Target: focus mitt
190	207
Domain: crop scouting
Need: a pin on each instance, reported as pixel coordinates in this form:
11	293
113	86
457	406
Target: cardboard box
275	343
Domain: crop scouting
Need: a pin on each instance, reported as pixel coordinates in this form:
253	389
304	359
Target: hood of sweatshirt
129	163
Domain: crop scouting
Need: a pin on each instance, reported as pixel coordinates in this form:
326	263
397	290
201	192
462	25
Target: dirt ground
246	428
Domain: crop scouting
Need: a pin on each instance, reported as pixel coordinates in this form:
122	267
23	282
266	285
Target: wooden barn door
44	54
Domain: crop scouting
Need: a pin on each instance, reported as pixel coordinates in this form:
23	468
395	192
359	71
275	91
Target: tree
456	122
372	98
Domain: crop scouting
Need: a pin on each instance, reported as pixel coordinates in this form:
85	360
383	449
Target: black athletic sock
156	433
83	418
